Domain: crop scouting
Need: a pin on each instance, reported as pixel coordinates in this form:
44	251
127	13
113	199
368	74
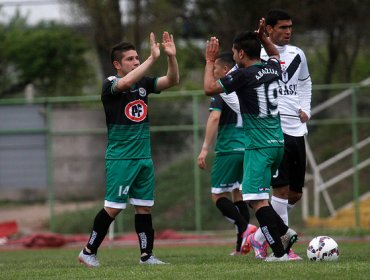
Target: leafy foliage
49	56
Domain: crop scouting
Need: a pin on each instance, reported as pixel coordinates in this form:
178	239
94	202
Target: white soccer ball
323	248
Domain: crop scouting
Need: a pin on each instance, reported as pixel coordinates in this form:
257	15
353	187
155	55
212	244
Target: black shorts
292	170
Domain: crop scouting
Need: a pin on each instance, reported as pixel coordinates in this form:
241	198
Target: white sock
281	208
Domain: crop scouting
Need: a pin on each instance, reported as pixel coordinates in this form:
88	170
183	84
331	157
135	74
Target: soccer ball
323	248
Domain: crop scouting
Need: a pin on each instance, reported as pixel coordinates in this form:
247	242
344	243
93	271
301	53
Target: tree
104	17
346	25
49	56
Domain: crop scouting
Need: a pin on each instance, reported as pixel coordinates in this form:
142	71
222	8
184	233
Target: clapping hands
168	45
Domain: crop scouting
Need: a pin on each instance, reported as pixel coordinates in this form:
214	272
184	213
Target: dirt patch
32	219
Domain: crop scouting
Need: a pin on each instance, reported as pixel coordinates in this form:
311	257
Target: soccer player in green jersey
128	163
227	168
256	87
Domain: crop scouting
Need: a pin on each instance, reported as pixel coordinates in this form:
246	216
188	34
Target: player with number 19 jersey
127	119
256	87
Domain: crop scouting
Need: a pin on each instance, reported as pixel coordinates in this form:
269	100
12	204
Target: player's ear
241	54
116	64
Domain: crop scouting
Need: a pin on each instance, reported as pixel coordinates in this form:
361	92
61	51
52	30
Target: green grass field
187	262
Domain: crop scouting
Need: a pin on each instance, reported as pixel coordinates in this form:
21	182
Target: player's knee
217	196
143	209
282	192
294	197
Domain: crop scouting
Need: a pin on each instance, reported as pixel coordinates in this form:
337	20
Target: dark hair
249	43
274	15
116	54
226	58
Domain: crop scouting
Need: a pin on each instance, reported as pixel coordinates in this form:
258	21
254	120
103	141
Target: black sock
229	210
266	218
243	209
242	206
145	233
100	228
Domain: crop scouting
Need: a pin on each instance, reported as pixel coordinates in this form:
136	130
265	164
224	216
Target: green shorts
259	164
227	172
129	181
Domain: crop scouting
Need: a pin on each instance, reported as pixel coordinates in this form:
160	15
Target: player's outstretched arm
271	50
211	87
172	77
135	75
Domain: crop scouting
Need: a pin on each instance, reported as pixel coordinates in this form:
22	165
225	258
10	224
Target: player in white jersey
294	102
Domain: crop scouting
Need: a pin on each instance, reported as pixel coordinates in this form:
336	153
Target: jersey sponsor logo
136	110
288	89
262	189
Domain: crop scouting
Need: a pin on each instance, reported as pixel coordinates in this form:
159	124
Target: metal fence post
355	156
197	192
50	166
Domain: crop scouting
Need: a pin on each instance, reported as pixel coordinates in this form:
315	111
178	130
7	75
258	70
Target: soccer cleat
260	250
88	260
293	256
272	258
235	253
152	261
245	247
288	239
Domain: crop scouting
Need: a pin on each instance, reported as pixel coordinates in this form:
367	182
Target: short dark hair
249	43
274	15
116	54
226	58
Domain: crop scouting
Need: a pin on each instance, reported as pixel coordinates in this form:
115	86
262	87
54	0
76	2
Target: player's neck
251	62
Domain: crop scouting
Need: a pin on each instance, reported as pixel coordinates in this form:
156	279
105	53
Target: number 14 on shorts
123	190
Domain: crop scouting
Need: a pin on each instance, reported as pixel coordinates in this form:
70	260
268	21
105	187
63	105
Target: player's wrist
205	147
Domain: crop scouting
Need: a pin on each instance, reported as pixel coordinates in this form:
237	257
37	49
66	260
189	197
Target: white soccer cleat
88	260
152	261
272	258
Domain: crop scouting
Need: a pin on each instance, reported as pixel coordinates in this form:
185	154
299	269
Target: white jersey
232	101
295	89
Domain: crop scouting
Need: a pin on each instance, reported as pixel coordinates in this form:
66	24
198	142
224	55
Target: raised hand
168	44
212	48
261	32
154	47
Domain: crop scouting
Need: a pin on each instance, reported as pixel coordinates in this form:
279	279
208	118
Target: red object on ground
8	228
44	240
